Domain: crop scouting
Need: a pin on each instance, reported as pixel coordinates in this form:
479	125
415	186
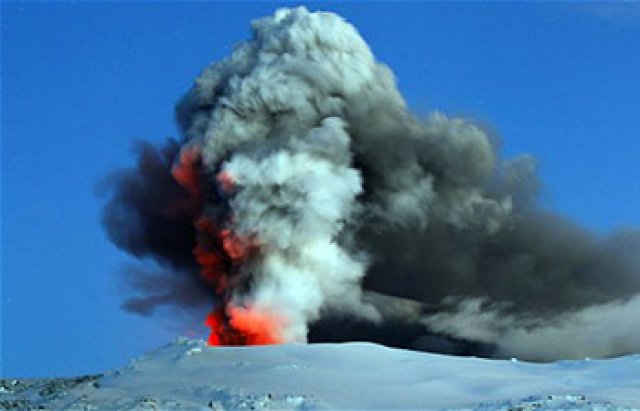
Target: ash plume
308	202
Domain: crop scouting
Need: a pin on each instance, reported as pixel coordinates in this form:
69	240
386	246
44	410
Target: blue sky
81	81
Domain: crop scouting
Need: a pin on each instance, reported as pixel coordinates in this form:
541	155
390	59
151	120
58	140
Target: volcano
305	202
190	374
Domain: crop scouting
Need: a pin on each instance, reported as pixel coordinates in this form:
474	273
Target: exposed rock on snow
187	374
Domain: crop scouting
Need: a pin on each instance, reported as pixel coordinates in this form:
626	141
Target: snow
188	374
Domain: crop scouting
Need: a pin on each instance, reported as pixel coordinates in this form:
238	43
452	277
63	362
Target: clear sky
81	81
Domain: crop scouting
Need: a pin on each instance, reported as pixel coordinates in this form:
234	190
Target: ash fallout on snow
305	202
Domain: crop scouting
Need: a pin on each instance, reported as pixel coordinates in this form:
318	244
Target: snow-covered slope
187	374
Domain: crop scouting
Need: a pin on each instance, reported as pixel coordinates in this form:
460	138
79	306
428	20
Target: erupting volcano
305	201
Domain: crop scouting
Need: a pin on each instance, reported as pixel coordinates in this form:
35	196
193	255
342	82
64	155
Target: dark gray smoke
371	223
149	215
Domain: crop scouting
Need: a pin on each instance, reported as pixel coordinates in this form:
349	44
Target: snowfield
187	374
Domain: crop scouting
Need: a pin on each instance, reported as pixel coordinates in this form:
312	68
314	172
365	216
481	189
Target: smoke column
304	201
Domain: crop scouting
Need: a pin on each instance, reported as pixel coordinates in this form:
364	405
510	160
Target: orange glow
237	248
244	326
211	267
215	320
257	327
187	170
226	182
209	255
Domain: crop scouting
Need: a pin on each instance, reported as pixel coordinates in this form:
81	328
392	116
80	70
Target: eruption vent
304	193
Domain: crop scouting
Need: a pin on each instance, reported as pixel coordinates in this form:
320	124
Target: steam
304	193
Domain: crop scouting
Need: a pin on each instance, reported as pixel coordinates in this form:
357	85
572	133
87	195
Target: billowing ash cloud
306	201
